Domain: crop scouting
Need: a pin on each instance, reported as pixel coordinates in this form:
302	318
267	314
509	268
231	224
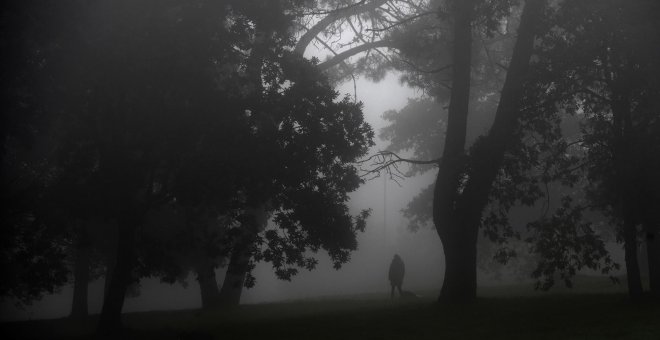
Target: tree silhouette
200	111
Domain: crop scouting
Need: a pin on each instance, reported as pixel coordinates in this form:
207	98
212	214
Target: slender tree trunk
633	273
456	214
653	252
81	277
652	226
208	285
120	279
109	270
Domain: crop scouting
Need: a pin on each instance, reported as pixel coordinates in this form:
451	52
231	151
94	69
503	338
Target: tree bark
651	230
460	281
208	285
254	221
232	286
456	212
622	124
121	277
109	270
79	305
633	273
653	253
447	183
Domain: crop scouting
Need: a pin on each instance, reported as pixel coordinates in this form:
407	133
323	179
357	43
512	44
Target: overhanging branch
388	161
344	12
340	57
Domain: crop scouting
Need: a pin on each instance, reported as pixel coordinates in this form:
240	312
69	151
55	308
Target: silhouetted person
397	270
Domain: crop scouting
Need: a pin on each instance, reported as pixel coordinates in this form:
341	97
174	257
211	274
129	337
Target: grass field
499	314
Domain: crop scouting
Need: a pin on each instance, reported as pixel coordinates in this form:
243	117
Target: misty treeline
151	138
562	117
159	138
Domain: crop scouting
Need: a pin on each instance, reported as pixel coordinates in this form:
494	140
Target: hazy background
366	273
386	234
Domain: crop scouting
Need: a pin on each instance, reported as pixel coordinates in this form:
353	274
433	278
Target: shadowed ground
497	315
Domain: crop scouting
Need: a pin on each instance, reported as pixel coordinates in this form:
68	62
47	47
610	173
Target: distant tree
610	83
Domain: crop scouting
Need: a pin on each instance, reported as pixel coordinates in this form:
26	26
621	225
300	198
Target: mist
386	234
403	168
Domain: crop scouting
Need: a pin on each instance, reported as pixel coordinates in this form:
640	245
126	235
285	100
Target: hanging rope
385	209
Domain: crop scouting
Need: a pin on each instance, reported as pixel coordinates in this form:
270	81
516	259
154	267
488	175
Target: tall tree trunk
622	123
447	182
81	276
120	279
457	215
208	285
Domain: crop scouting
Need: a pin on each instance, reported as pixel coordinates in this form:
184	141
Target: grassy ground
497	315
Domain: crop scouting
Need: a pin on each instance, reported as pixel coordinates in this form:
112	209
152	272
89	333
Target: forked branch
388	162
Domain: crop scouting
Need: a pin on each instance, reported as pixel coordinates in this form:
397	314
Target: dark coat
397	270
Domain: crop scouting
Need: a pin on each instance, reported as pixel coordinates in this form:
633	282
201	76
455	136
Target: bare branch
344	12
388	161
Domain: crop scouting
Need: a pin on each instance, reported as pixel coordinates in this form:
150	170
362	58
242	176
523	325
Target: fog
222	161
366	273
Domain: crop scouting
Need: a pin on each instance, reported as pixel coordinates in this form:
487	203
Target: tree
608	84
323	137
36	239
139	128
497	168
464	182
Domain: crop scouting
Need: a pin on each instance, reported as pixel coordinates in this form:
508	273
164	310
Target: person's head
397	257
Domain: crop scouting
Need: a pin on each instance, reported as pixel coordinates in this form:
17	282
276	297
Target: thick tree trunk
120	279
232	287
460	282
81	278
622	123
457	215
254	221
447	182
208	285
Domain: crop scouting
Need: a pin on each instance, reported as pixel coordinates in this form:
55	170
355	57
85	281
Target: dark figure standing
397	270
